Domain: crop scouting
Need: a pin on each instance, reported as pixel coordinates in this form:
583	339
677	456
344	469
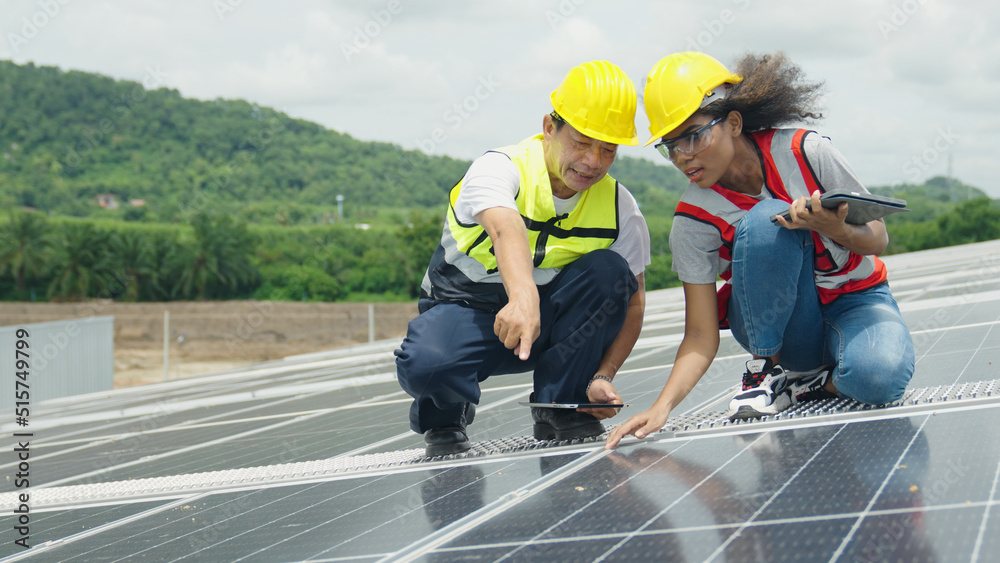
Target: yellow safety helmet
598	99
679	85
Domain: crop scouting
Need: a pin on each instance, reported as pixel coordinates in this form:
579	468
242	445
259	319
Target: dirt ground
206	337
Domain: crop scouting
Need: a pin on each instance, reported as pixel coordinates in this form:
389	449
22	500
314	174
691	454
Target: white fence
55	359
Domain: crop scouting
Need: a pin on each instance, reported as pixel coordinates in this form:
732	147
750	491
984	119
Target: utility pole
166	345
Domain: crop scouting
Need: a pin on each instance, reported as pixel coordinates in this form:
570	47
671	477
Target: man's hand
601	391
640	425
518	325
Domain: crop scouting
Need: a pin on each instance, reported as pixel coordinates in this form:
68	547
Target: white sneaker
808	386
765	391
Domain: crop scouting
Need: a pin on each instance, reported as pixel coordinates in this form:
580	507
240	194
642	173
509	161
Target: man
542	254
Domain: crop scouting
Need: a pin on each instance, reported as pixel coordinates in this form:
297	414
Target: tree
417	242
300	282
133	256
973	221
81	260
217	261
24	246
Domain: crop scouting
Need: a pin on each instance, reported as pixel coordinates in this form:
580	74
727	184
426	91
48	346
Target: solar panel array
311	459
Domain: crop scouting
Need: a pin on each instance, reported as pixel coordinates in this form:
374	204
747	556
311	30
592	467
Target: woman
805	296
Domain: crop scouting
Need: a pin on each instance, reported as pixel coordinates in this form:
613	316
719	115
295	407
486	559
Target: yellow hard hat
679	85
598	99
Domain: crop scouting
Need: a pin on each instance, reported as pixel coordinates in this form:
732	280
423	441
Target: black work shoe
452	438
564	424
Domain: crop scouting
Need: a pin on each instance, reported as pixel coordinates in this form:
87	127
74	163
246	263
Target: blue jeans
450	348
775	310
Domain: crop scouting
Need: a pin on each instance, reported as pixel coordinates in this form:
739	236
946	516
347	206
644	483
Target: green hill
225	199
68	137
929	200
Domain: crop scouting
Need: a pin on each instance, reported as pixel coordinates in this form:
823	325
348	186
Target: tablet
574	405
861	207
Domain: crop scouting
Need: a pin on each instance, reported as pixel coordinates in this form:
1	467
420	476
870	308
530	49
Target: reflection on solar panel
311	459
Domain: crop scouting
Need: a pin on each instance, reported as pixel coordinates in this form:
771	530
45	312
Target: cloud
896	71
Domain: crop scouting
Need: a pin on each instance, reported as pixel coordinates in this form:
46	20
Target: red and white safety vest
788	176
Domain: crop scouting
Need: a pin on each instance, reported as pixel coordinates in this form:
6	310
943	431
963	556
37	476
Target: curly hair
773	92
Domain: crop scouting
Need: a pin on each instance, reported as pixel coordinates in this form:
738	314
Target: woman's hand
870	238
640	426
815	217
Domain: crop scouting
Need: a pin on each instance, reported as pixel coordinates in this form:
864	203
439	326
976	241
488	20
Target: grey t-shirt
695	245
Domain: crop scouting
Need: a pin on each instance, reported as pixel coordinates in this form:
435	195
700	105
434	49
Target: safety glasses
689	143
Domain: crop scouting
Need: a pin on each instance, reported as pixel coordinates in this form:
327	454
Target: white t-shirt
493	181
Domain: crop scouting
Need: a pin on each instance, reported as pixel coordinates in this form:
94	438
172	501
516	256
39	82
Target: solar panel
311	458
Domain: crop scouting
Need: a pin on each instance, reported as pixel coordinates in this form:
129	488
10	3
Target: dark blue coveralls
450	348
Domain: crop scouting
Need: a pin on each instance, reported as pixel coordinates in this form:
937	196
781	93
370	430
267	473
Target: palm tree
132	257
24	245
162	246
83	259
217	260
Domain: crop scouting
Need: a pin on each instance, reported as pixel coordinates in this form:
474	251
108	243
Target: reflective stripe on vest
787	176
466	257
555	241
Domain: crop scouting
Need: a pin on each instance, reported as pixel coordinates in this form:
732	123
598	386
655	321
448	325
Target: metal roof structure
311	459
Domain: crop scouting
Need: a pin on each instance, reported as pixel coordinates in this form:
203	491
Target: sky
910	86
